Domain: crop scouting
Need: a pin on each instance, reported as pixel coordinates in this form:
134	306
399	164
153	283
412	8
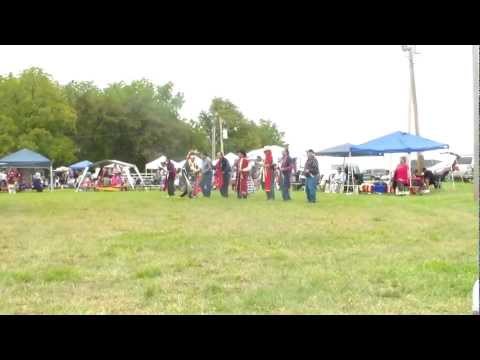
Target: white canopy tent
124	166
231	158
179	165
155	164
277	153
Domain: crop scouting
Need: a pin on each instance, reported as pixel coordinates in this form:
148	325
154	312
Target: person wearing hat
189	172
311	172
243	171
268	174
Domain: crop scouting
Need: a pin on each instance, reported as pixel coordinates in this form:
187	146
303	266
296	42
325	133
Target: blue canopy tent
28	159
80	165
347	150
400	142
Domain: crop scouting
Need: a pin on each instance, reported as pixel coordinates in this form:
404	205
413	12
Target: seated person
116	180
417	180
387	177
37	182
400	176
430	179
338	180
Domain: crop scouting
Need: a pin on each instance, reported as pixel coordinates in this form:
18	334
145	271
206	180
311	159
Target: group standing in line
247	175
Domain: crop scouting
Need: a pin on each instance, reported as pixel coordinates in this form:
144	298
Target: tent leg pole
51	178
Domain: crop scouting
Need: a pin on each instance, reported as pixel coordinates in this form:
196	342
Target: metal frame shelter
104	163
28	159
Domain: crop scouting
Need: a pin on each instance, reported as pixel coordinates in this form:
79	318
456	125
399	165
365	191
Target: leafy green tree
35	113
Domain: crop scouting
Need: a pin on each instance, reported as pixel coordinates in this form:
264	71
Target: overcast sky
320	96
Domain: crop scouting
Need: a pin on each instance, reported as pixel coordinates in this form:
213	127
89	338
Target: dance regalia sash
218	174
242	176
268	171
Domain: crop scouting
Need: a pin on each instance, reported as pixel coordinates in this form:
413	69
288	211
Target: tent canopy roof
80	165
112	162
25	159
400	142
345	150
155	164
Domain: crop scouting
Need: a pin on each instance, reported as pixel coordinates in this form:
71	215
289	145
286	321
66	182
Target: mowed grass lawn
143	253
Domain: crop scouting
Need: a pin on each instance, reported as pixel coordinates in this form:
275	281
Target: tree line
133	122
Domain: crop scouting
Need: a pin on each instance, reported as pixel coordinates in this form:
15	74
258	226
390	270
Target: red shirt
401	173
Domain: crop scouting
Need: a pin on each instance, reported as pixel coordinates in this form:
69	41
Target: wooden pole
221	133
476	111
214	140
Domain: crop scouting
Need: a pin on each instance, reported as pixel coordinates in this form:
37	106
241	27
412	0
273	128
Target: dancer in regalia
268	174
243	171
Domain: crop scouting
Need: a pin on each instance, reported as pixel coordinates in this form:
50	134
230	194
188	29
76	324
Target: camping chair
402	189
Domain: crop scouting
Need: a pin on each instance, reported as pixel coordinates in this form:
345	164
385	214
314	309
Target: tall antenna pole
214	139
221	133
476	112
413	109
413	91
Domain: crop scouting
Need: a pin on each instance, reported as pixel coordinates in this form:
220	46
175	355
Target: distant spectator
311	173
13	177
400	176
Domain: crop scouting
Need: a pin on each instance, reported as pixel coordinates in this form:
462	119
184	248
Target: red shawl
268	170
242	176
218	174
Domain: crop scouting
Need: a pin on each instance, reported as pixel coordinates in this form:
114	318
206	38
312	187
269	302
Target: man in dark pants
226	172
207	174
311	173
171	174
286	167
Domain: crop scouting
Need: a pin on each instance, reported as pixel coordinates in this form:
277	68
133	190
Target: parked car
464	168
374	174
444	166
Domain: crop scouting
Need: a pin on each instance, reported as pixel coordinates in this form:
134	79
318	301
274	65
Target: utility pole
214	139
476	111
413	110
221	133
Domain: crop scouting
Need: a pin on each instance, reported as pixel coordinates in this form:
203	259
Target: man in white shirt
339	180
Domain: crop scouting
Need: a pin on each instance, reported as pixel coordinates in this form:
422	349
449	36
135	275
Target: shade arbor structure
124	166
28	159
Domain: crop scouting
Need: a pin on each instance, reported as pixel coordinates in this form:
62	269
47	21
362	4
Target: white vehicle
464	168
444	166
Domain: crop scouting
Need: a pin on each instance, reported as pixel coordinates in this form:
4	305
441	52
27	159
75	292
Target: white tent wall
155	164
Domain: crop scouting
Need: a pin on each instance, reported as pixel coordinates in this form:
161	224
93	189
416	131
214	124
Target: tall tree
35	113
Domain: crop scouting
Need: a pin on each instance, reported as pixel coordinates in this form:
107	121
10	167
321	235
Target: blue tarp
345	150
80	165
25	159
400	142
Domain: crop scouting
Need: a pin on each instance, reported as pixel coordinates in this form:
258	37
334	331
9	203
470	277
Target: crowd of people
14	180
243	177
199	175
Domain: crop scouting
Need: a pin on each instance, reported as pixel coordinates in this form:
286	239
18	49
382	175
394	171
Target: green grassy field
141	252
